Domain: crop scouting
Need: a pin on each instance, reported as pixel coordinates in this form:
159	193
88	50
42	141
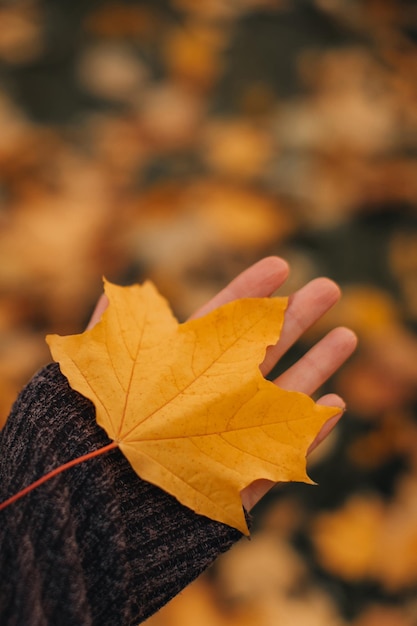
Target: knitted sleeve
96	544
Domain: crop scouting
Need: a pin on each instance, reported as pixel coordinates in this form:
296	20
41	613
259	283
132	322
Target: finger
305	307
101	306
330	399
319	363
260	280
254	492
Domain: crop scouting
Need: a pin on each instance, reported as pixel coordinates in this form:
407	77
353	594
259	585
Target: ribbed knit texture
95	545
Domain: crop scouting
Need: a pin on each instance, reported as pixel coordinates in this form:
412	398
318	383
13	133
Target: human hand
305	307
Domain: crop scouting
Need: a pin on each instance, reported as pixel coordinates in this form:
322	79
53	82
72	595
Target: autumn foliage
179	141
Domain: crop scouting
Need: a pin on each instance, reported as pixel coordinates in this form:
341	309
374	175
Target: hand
306	306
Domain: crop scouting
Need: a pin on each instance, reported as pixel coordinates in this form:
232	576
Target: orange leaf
186	403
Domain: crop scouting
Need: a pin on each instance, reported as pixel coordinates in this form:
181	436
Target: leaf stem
56	471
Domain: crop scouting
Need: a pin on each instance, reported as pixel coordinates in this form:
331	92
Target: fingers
260	280
305	307
315	367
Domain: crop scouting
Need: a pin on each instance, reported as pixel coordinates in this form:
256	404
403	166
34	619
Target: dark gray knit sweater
95	544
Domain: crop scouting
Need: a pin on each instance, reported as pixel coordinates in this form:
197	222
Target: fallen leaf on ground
367	539
346	539
187	403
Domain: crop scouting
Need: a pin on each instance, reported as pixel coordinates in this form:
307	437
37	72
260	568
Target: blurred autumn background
181	140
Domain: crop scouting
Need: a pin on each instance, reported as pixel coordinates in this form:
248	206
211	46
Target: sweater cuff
96	544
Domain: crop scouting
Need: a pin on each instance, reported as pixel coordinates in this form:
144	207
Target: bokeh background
183	140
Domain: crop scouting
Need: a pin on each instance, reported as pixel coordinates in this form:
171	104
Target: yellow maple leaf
187	403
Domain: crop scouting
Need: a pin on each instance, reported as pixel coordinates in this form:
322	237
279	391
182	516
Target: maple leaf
187	403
